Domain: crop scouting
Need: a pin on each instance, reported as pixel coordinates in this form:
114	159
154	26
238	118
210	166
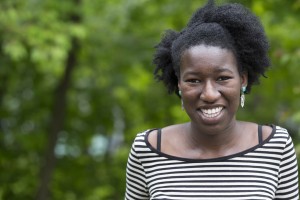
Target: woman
211	64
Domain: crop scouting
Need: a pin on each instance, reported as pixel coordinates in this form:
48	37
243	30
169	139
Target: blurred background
76	86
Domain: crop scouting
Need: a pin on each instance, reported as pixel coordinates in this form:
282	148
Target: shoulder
282	136
275	131
152	137
267	131
281	132
141	137
257	129
141	142
280	129
167	133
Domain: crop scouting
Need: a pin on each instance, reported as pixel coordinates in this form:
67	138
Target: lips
211	112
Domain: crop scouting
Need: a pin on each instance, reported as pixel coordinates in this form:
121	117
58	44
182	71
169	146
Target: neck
213	138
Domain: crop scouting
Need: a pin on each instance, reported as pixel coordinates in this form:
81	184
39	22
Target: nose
209	92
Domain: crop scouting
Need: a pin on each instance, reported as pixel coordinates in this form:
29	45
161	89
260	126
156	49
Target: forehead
203	56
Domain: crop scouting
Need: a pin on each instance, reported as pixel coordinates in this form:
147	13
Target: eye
193	81
223	78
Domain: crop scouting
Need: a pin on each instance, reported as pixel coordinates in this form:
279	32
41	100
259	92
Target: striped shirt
266	171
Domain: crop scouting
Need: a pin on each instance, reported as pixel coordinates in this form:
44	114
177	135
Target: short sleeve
288	187
136	187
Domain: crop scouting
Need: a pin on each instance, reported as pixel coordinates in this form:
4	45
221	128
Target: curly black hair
230	26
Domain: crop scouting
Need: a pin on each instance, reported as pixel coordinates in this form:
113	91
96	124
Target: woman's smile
211	112
210	116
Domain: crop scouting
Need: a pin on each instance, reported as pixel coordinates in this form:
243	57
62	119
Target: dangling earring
243	96
182	107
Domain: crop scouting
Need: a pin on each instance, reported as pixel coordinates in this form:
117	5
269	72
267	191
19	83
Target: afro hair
230	26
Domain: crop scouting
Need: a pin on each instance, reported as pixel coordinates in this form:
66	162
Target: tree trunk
58	117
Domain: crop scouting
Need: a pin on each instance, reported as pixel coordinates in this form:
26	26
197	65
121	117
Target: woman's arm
136	187
288	187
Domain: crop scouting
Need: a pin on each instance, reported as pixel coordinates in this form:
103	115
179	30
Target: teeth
210	113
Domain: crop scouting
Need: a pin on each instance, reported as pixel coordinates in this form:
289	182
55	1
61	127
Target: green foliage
113	95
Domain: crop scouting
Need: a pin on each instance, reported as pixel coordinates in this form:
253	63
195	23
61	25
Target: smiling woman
210	65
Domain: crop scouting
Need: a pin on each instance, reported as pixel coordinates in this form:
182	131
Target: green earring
244	89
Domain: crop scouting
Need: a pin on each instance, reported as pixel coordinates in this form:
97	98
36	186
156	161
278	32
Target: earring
243	98
182	107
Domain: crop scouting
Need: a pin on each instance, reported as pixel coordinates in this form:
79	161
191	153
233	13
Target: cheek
233	97
189	92
190	97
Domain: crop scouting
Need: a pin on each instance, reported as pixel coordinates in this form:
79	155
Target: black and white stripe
266	171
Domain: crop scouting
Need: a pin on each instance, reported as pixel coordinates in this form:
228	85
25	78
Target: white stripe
202	169
221	174
198	185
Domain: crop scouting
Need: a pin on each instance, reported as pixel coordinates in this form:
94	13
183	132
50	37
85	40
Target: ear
179	86
179	90
244	79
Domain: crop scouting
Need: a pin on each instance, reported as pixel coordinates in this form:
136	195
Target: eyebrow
222	69
217	70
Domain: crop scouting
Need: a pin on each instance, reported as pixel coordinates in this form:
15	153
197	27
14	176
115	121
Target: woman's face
211	86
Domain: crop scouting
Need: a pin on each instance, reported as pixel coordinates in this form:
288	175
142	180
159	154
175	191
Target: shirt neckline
223	158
